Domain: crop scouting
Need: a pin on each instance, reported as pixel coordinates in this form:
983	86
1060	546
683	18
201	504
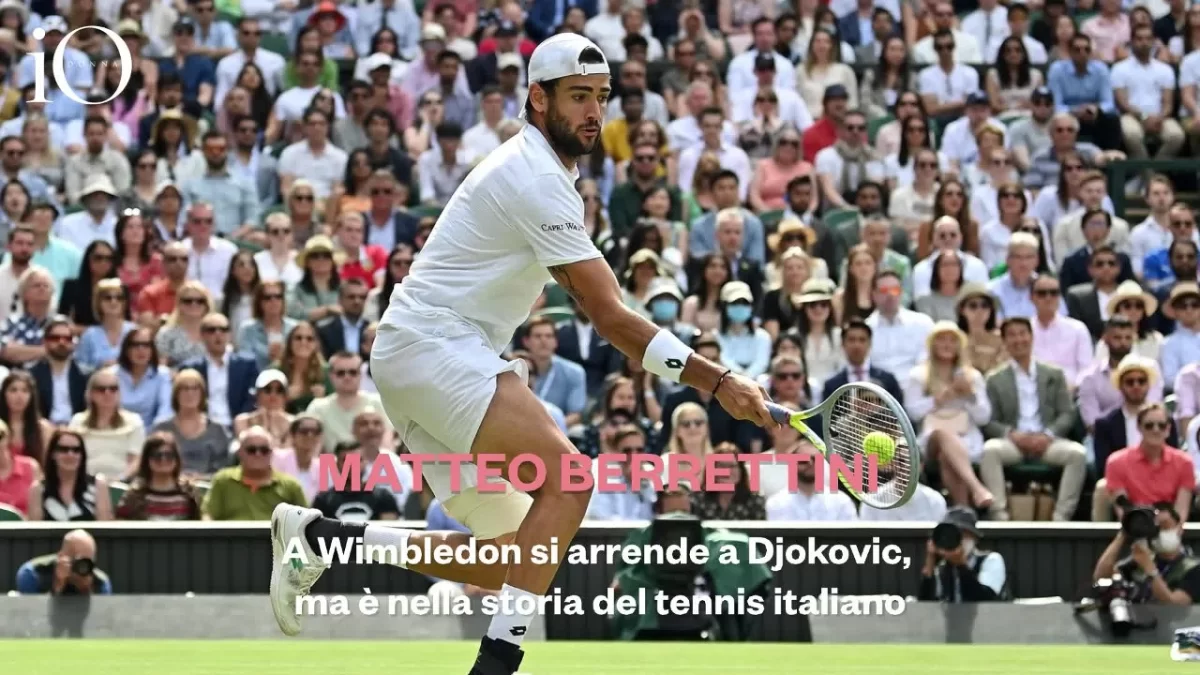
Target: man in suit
559	381
228	376
545	15
59	374
883	26
343	333
731	231
856	345
1135	377
1076	269
484	69
387	225
579	343
1087	302
861	27
1032	413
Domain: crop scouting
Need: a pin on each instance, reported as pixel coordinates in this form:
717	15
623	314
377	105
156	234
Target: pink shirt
773	181
284	461
1098	397
1065	343
14	490
1106	34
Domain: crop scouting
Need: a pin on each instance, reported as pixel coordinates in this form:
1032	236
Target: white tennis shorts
436	385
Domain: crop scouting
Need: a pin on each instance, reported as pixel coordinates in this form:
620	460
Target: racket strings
855	415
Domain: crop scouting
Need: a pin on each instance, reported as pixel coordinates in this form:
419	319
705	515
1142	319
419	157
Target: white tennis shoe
295	578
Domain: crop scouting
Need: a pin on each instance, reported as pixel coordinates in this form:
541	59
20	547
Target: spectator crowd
909	192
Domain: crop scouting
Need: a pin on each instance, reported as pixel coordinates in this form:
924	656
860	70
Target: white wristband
666	355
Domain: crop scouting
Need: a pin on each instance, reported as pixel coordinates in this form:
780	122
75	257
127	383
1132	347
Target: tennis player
436	358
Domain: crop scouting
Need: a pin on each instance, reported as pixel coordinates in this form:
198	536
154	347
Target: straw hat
787	227
1132	290
975	290
943	327
190	127
815	290
1186	289
1132	363
317	244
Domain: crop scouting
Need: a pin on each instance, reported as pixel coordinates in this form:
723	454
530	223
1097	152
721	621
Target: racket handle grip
779	413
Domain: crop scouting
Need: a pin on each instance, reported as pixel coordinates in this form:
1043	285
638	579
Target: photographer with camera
71	571
956	570
1159	568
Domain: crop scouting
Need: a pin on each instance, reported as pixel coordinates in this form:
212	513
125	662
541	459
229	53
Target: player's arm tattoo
563	277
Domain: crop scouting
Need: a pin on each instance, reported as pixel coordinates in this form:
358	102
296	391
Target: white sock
511	625
394	541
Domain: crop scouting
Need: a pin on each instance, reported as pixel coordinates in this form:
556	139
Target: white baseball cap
559	57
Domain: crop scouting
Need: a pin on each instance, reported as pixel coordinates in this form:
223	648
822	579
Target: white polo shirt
1144	83
292	103
322	170
516	214
951	86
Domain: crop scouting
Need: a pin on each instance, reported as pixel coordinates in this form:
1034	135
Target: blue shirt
564	384
748	353
1016	301
234	199
1071	89
94	349
196	70
149	397
30	580
61	258
1156	270
352	333
1179	349
76	64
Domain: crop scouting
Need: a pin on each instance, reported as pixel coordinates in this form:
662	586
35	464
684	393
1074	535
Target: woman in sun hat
977	309
1138	305
822	339
792	234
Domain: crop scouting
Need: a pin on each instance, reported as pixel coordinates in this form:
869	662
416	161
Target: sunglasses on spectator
1131	305
106	388
345	372
303	338
1187	304
382	192
162	456
274	390
766	99
214	329
69	449
1104	262
1046	292
308	431
894	291
320	255
927	165
140	344
856	127
257	449
1183	223
58	338
788	376
302	198
691	424
944	47
272	296
194	301
102	257
1013	195
1156	426
279	232
646	158
111	296
976	304
175	258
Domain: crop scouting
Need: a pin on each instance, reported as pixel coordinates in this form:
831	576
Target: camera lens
83	567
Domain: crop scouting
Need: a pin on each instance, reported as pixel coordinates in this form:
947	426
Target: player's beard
565	139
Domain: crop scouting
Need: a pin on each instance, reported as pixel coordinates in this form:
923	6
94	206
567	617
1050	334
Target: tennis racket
853	413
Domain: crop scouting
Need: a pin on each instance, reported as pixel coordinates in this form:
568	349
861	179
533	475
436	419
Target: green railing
1119	172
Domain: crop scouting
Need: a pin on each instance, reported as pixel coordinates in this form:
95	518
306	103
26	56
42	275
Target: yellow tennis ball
881	445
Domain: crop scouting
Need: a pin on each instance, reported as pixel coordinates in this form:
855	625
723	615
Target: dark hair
31	429
904	81
380	114
346	446
632	94
51	481
884	274
1118	321
989	325
935	279
1015	321
94	119
448	55
389	279
127	345
856	324
1009	79
723	174
448	130
906	151
82	310
147	237
1104	248
232	291
155	442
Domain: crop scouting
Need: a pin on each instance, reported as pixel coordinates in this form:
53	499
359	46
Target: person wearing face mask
745	348
663	301
1164	570
956	570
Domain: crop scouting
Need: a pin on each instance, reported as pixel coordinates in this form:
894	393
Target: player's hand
745	399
